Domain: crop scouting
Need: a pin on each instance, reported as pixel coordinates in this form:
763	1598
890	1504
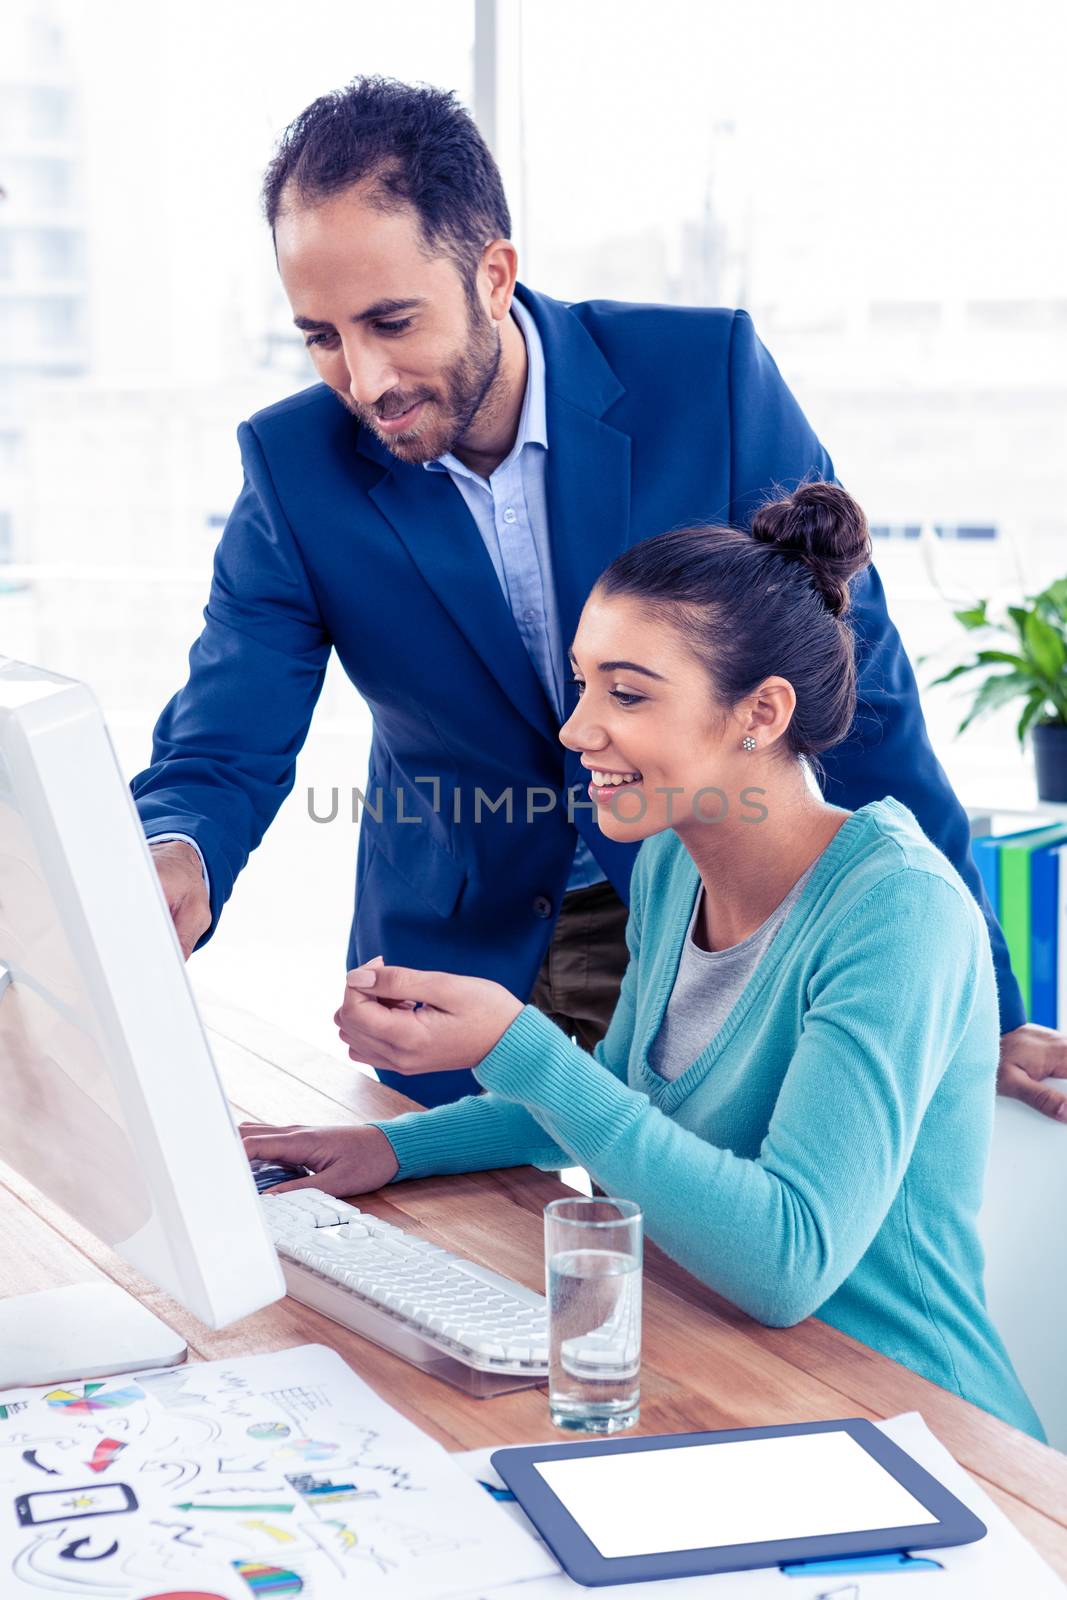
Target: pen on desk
497	1492
893	1561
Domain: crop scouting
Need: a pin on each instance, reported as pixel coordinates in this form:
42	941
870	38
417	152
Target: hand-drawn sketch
278	1582
269	1430
85	1500
82	1549
416	1541
168	1386
243	1463
279	1535
343	1545
47	1564
298	1402
308	1449
318	1491
84	1398
172	1474
274	1475
195	1431
105	1454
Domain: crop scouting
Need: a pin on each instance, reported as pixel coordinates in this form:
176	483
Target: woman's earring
748	743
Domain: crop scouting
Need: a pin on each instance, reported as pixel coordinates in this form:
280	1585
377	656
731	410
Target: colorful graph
269	1430
93	1397
309	1449
321	1491
105	1454
266	1580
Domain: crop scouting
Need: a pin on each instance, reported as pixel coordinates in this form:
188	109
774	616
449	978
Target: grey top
708	986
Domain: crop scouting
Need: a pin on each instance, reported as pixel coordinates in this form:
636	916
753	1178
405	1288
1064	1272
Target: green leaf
1018	615
1054	598
955	672
1045	646
996	692
973	616
1003	657
1031	711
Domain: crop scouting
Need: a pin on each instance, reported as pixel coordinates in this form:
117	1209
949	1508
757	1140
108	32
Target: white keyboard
404	1292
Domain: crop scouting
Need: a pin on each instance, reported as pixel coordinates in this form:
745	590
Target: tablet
678	1505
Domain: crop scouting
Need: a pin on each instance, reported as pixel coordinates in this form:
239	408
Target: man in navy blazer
440	528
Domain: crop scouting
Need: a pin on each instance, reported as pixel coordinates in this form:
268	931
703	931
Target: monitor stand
87	1330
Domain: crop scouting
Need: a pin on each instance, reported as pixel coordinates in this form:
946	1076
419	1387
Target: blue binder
1045	867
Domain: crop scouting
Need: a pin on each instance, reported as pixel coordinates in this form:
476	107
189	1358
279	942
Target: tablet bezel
582	1561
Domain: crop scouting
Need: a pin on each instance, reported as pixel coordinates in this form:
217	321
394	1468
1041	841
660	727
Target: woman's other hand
407	1021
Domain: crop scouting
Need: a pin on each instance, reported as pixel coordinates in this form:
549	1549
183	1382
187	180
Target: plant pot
1050	759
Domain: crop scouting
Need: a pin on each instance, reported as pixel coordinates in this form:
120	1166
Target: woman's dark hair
767	603
414	146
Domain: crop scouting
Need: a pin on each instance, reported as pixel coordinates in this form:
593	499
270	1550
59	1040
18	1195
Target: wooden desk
706	1365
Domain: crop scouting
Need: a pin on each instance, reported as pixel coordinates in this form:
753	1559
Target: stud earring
748	743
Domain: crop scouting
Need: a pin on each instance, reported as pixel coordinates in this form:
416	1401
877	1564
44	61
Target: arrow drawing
73	1550
189	1506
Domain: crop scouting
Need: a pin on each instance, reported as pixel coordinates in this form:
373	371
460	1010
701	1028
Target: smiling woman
726	613
798	1134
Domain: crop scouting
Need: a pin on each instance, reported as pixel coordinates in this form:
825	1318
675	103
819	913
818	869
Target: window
903	263
57	253
171	116
48	113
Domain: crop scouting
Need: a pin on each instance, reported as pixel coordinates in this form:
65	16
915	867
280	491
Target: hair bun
825	527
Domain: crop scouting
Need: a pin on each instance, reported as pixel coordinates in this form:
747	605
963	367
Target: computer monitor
111	1102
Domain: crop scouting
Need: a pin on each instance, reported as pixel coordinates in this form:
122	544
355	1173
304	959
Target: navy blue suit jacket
657	417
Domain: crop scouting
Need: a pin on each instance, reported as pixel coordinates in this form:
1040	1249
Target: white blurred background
881	187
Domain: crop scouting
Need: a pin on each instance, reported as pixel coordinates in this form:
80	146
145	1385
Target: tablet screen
746	1491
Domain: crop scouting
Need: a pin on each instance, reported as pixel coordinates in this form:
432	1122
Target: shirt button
510	514
529	615
542	906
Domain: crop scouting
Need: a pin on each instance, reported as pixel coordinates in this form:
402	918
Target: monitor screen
65	1127
113	1106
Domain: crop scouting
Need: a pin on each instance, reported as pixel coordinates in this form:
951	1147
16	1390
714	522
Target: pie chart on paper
93	1397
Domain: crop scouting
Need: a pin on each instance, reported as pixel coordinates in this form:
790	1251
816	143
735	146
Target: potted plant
1022	656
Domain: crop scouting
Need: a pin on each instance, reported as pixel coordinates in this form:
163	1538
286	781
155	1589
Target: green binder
1015	855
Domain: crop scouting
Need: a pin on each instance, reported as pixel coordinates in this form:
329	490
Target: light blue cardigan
825	1153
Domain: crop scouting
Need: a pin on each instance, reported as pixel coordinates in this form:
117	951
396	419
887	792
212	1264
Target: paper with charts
268	1476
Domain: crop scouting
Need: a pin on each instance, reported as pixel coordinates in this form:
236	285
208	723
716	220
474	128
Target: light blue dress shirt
510	510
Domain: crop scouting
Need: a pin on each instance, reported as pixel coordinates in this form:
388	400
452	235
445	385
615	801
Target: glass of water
593	1278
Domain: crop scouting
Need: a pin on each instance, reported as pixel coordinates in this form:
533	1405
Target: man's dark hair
412	145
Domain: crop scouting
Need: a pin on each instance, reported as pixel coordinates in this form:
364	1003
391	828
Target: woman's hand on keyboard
343	1161
413	1022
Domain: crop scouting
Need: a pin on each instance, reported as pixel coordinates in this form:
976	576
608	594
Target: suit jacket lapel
588	490
429	515
588	480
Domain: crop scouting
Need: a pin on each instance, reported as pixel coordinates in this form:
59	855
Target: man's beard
466	385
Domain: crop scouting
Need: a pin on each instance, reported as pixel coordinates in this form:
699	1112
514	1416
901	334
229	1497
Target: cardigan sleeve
490	1130
778	1234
